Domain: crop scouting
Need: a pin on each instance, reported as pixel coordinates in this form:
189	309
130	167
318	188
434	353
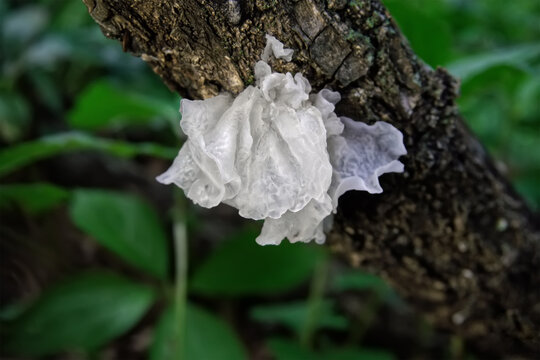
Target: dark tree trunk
450	234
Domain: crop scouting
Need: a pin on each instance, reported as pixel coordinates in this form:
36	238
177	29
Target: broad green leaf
34	198
529	187
23	154
83	313
359	280
69	15
526	104
165	344
520	148
125	225
429	35
284	349
294	315
103	104
241	267
487	102
524	164
206	337
517	57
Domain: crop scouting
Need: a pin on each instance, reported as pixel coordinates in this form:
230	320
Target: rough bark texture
449	234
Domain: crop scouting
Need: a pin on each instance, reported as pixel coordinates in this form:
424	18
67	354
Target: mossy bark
450	234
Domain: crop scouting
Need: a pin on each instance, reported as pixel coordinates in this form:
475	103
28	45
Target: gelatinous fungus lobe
280	153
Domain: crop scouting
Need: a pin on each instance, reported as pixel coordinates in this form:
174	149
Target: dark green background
86	232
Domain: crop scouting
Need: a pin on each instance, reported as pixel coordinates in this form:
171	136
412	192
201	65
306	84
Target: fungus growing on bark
278	153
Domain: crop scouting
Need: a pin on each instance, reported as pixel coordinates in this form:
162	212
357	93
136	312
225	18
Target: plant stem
181	267
315	298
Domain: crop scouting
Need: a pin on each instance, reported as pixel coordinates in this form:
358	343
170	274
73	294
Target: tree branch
450	234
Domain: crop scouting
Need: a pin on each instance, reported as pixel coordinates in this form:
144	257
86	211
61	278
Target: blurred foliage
493	47
27	152
68	94
295	315
264	270
103	104
83	313
34	198
125	225
284	349
207	338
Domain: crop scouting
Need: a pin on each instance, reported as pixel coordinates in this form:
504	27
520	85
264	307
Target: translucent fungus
279	153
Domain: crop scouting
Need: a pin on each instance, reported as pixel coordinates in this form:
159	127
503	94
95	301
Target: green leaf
34	198
529	187
23	154
69	15
164	344
359	280
526	104
294	315
241	267
422	24
517	56
83	313
103	104
125	225
519	144
206	337
284	349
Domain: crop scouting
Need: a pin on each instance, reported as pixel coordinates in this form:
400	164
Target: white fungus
278	153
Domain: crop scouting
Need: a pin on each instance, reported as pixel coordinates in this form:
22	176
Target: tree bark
450	234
